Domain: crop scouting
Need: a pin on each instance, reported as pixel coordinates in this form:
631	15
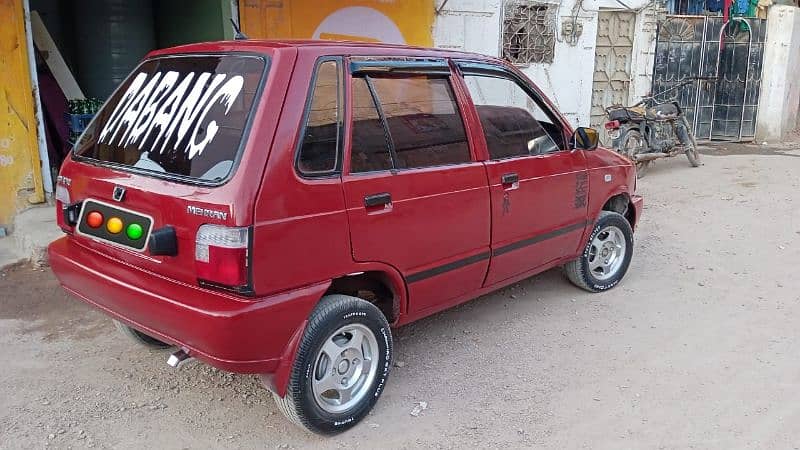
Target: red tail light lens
62	202
221	255
613	125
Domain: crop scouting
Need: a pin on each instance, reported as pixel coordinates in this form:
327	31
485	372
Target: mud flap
276	382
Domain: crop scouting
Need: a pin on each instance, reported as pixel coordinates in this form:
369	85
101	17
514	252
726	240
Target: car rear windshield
178	116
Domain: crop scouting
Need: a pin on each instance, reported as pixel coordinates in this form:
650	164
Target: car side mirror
585	139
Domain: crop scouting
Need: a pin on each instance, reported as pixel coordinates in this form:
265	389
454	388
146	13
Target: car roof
335	47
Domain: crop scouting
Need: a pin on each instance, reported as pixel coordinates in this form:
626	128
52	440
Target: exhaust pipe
178	359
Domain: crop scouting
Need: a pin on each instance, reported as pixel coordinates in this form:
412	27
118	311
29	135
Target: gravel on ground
696	348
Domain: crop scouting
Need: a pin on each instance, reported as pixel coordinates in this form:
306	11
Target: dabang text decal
163	106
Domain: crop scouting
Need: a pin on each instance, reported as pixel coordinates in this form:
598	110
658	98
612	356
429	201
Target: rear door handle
382	199
509	178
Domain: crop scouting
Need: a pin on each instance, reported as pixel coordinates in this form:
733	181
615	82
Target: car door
538	186
416	197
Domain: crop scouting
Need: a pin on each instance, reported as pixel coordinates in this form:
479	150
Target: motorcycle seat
664	111
625	114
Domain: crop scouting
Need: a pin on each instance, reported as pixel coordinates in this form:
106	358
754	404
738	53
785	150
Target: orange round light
114	225
94	219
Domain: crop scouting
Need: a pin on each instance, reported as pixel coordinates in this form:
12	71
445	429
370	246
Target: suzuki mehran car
277	208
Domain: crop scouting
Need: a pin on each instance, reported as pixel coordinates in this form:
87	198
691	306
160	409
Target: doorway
612	65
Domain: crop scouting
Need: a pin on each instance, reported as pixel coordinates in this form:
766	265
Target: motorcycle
651	130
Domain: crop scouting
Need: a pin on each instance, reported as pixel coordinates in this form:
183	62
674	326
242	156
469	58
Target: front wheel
341	366
687	139
607	254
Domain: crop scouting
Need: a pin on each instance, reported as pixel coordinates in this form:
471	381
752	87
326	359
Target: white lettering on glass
174	105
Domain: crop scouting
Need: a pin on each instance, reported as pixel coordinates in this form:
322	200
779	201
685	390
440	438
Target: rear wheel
607	254
139	337
341	366
631	144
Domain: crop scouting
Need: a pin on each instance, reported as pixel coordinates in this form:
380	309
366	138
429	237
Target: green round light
134	231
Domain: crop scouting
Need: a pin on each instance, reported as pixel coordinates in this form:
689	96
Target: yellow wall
395	21
20	175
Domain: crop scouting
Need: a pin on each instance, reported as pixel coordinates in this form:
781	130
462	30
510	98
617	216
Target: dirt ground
697	348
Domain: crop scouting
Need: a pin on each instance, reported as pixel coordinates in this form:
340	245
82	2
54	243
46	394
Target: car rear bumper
228	332
638	205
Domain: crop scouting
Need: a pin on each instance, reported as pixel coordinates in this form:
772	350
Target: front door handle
382	199
509	178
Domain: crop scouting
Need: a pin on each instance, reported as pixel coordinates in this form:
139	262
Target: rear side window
413	120
513	122
178	115
319	147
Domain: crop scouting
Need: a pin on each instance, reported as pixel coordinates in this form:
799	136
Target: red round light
94	219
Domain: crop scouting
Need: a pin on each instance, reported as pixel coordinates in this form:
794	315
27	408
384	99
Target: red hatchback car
277	207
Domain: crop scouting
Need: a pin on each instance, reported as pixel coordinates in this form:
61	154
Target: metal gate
612	63
722	104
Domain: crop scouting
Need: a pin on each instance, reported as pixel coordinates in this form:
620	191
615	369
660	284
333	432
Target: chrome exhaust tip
178	358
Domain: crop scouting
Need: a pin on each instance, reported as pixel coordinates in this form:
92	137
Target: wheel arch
621	203
377	283
378	287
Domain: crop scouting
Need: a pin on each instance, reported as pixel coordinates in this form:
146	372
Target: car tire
341	367
139	337
607	254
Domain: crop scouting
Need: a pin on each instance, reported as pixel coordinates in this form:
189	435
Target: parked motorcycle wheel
632	144
687	138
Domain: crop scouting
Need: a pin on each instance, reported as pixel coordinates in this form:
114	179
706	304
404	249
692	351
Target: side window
416	123
513	123
319	147
425	125
370	145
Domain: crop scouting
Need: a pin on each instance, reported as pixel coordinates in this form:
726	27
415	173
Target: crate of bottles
80	112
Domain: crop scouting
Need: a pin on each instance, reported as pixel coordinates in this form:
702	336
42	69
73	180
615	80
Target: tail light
68	212
613	125
62	194
221	256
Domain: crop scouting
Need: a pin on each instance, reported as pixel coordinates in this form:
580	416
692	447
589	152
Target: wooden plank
44	42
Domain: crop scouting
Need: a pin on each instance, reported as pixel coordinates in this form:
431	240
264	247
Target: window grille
529	31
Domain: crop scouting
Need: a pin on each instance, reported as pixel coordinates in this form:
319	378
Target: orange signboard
392	21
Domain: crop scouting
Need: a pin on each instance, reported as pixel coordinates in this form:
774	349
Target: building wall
20	173
394	21
183	22
471	25
780	86
475	25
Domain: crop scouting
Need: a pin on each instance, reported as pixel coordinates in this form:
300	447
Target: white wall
474	25
780	85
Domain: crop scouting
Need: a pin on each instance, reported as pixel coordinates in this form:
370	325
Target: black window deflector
477	67
422	66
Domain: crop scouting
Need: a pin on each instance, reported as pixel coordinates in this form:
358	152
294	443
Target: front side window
513	122
406	122
177	115
319	147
